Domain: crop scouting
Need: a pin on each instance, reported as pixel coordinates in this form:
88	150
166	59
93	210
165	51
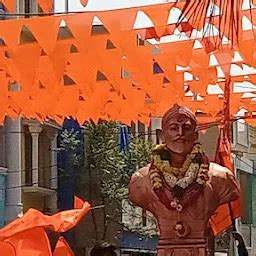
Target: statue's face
179	134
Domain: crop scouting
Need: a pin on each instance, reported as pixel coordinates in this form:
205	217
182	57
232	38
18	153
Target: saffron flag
59	222
225	214
30	243
27	236
7	249
78	203
62	248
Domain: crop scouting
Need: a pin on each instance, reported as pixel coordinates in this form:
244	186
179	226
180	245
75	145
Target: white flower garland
183	177
188	179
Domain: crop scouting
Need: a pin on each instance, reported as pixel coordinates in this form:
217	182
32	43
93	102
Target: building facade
244	153
28	163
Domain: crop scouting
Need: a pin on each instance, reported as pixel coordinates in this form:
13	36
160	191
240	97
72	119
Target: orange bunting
80	25
45	30
46	5
10	5
159	15
26	58
10	32
72	62
84	2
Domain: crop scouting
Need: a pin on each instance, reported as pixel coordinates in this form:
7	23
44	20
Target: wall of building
244	138
33	200
3	177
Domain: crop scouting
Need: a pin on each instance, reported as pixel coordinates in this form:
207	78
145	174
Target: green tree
103	172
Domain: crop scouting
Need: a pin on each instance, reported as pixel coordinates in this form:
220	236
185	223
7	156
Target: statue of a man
181	188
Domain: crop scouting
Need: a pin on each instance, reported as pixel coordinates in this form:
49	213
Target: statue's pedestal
191	248
199	249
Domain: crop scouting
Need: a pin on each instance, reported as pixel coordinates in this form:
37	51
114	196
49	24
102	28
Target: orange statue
181	188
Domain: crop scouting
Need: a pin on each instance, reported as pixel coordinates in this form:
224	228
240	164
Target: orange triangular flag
62	248
84	2
26	58
10	5
78	202
159	15
118	20
80	26
45	30
46	5
225	59
10	32
59	57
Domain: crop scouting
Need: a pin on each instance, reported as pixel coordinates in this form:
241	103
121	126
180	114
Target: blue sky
74	5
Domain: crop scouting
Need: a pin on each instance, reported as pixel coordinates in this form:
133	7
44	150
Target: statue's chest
192	211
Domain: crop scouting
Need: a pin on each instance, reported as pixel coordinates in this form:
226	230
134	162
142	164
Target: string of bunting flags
107	65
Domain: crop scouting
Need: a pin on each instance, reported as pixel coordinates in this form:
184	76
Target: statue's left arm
140	191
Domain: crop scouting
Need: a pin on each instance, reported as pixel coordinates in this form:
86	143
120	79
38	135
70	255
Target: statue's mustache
180	138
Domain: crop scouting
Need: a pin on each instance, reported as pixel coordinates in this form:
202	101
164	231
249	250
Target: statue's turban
178	110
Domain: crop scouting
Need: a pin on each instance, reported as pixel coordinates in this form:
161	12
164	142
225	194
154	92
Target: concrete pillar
35	130
3	174
54	170
13	146
146	133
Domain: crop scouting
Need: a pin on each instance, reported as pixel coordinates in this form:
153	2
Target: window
242	133
27	8
141	130
44	158
246	197
28	157
2	146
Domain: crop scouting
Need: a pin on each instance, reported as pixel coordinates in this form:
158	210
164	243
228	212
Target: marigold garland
194	169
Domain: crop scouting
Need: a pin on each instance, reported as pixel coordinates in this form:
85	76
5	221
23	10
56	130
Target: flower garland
185	183
194	169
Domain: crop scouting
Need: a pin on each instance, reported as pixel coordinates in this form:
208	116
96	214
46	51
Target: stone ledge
40	190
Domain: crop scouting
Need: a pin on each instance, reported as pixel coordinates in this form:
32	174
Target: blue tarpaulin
124	137
130	240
